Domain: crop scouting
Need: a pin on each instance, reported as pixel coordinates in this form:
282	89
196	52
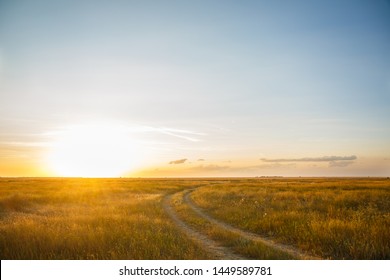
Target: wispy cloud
179	161
188	135
312	159
26	144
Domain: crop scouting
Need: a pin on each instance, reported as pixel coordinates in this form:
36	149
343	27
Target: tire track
207	244
248	235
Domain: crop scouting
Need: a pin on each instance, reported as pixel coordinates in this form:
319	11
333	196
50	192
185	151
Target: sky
194	88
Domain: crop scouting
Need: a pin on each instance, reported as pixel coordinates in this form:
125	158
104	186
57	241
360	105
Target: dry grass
332	218
233	241
123	218
89	219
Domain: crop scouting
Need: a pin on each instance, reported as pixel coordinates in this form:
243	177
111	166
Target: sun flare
93	151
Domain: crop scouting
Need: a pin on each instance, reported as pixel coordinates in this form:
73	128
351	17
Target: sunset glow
194	88
92	151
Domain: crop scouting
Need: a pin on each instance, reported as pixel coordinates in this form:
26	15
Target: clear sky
194	88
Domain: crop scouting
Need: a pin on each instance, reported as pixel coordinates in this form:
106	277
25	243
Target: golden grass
89	219
331	218
239	245
124	218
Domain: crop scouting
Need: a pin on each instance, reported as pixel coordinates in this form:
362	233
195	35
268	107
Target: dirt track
207	244
210	245
245	234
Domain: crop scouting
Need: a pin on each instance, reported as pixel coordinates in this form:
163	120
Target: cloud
179	161
187	170
312	159
201	159
179	133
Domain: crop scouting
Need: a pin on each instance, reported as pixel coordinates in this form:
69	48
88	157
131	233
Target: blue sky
230	82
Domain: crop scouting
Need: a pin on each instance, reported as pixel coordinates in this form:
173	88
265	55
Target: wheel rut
245	234
207	244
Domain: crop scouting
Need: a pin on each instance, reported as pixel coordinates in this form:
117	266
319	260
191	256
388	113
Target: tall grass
90	219
123	218
332	218
244	247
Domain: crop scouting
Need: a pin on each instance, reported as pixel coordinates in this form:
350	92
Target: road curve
248	235
207	244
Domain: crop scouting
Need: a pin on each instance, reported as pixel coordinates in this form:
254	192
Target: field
220	218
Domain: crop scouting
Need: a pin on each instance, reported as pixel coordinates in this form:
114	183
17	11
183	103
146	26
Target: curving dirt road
207	244
245	234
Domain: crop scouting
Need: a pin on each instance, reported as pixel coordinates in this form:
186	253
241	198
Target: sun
93	150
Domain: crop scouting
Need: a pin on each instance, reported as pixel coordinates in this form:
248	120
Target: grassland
330	218
90	219
238	244
56	218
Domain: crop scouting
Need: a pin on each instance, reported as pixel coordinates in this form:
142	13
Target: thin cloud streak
178	133
312	159
26	144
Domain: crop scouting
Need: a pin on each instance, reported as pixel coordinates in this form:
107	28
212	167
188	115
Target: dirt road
245	234
207	244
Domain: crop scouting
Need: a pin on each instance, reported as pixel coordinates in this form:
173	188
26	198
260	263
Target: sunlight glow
93	151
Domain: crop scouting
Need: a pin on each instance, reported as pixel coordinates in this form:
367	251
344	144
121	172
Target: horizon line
190	177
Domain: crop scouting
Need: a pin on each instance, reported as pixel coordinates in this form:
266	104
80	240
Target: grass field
330	218
55	218
89	219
